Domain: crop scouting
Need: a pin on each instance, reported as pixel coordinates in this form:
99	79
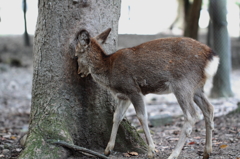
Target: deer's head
87	48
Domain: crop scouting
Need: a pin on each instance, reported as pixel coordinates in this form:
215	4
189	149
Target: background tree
26	36
238	4
188	14
65	106
221	44
192	14
179	20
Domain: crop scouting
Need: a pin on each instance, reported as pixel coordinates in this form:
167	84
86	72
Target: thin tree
65	106
180	18
192	14
26	36
238	4
221	44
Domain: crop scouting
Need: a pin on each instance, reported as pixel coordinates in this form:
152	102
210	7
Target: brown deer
170	65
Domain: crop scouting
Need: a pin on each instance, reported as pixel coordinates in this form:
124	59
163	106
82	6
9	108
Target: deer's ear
83	38
101	38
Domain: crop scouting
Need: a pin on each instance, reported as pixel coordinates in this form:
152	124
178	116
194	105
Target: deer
177	65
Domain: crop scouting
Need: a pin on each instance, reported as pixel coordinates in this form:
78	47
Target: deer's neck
97	59
98	63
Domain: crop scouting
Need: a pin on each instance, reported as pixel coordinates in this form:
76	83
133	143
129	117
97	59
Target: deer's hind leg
119	114
208	113
191	116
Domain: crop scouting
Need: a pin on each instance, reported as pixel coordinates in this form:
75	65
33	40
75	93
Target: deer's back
154	65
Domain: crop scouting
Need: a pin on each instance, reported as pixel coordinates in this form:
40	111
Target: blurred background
137	17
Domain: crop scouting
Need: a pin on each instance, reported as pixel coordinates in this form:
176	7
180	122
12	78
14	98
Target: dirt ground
15	101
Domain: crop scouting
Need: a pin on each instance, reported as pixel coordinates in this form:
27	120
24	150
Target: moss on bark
134	141
38	148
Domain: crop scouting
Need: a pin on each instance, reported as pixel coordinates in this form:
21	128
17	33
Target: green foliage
237	2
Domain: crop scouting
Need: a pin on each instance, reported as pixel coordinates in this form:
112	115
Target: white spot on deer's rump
211	67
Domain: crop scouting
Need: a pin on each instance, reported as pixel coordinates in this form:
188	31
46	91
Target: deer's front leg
138	103
118	116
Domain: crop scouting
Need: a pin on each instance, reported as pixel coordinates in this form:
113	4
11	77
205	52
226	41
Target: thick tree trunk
65	106
221	44
191	27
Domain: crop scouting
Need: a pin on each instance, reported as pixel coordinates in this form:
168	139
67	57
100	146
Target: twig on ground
77	148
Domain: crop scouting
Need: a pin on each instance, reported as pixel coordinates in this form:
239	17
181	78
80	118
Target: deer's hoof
107	153
173	156
206	156
151	153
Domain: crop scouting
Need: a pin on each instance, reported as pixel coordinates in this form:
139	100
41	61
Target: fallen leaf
126	155
133	153
217	143
191	143
174	139
223	146
13	138
197	137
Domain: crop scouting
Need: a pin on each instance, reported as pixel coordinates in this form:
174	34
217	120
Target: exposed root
77	148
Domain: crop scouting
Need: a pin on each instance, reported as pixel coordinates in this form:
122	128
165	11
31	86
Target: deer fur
170	65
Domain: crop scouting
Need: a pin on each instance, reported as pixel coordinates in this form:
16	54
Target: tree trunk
179	20
221	44
210	31
26	36
65	106
191	27
239	21
187	6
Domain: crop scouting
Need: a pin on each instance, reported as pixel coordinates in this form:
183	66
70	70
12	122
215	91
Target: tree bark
221	44
64	106
191	27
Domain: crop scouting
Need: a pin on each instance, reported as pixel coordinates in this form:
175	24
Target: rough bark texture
221	44
191	27
65	106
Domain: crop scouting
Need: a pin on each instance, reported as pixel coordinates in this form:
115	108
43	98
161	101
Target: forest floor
15	101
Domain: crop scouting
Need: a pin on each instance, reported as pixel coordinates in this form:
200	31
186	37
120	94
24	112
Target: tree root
77	148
